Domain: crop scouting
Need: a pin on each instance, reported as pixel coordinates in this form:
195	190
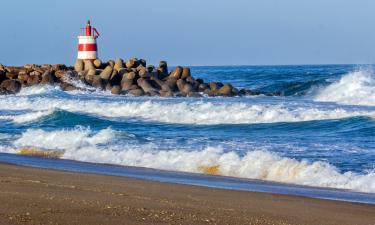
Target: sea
319	133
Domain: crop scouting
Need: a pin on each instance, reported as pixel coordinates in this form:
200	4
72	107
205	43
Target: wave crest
356	88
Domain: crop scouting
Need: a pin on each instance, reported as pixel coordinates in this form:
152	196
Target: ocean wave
82	144
27	117
181	112
355	88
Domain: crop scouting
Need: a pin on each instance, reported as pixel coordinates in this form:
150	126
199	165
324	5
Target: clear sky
192	32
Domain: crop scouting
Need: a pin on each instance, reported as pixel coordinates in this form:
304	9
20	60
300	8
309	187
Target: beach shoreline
39	196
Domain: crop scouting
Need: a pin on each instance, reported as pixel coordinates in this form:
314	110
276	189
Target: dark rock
144	73
48	78
171	83
200	81
11	75
97	82
68	87
33	80
115	78
10	86
163	67
145	85
143	62
2	76
202	87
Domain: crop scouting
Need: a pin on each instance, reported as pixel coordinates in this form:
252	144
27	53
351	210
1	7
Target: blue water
320	132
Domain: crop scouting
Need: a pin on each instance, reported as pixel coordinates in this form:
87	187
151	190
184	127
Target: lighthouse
87	47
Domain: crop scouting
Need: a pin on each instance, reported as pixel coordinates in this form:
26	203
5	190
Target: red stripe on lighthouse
87	47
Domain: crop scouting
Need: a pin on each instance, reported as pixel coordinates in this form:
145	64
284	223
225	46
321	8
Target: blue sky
193	32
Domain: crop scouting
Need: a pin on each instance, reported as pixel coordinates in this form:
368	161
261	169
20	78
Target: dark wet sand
40	196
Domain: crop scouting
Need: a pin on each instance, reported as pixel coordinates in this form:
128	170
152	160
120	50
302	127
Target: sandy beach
40	196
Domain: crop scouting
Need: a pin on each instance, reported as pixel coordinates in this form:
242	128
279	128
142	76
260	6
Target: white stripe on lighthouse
87	55
86	40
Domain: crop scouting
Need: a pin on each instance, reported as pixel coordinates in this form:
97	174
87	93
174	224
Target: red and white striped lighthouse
87	47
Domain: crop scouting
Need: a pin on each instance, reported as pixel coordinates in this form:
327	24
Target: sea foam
355	88
82	144
182	112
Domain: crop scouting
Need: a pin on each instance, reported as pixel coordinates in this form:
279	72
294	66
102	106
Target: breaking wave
356	88
165	111
82	144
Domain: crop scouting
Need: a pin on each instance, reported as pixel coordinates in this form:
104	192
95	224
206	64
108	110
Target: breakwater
133	77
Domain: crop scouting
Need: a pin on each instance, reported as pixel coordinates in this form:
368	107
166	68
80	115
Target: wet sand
40	196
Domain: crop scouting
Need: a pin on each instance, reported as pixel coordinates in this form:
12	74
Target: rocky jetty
131	77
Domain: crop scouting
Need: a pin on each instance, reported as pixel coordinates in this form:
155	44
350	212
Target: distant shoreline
32	195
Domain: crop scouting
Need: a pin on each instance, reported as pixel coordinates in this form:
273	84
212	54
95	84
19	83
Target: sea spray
355	88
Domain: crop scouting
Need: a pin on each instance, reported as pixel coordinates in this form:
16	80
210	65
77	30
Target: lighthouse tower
87	47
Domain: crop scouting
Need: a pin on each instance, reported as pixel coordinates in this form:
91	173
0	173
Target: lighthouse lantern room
87	47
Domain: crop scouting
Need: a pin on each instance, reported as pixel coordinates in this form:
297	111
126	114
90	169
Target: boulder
118	64
176	73
59	74
47	78
68	87
132	63
136	92
10	86
97	82
115	78
2	76
89	78
145	85
23	76
33	80
193	94
184	87
126	84
144	73
185	73
11	75
202	87
89	65
153	93
171	83
164	93
150	68
97	63
163	67
106	73
111	63
143	62
116	90
226	90
78	65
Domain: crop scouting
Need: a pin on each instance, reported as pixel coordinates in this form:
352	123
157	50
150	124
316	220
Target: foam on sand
356	88
82	144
